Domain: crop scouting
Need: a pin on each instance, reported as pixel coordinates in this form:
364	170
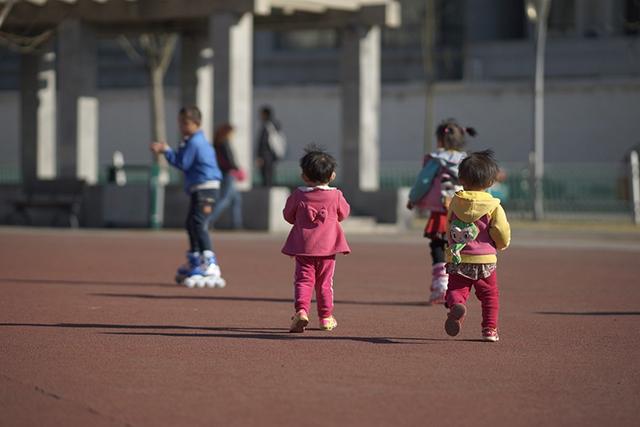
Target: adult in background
271	146
229	194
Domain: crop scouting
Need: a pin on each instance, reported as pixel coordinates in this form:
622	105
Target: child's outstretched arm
290	208
343	208
424	181
183	158
499	229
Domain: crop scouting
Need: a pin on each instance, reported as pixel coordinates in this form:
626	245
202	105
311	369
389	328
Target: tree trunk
159	50
159	171
158	126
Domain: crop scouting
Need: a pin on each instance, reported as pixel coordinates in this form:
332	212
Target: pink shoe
453	324
490	334
439	284
299	321
328	323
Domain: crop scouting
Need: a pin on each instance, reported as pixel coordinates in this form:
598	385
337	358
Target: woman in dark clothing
230	171
266	158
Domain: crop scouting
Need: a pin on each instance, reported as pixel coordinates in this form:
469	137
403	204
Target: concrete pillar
77	102
196	77
232	40
38	116
614	17
360	78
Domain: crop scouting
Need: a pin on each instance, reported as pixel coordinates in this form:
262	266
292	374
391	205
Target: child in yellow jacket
478	228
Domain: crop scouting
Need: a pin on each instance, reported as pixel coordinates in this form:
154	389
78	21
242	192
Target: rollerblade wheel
221	283
180	279
201	282
190	282
210	282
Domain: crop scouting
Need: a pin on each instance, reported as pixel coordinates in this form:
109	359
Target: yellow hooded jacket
471	207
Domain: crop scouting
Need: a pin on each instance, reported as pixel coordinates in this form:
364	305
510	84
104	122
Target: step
365	224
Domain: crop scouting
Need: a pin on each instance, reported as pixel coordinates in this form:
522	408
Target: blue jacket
196	158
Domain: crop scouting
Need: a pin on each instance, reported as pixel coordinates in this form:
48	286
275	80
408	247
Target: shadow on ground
279	334
254	299
590	313
188	297
82	282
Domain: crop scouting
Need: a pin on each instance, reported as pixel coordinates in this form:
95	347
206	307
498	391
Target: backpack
460	233
449	184
277	141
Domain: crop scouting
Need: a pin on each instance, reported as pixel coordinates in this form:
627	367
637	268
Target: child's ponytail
470	131
452	135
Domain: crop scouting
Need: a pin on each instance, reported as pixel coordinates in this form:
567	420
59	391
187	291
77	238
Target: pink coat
316	214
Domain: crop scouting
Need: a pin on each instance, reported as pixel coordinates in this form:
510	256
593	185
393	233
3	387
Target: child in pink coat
315	210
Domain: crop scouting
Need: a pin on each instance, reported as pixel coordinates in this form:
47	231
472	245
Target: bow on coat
316	215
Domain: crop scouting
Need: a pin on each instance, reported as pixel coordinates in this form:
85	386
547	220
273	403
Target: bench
63	196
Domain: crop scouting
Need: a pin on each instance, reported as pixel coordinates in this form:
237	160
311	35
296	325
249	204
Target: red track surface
93	332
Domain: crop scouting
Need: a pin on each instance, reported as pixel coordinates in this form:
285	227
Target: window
410	33
562	18
305	40
632	17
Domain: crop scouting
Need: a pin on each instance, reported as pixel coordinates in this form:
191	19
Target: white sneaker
438	290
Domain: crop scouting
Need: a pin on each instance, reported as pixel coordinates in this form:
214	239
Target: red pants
486	291
315	272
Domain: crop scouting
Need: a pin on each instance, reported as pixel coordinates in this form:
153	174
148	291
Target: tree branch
24	44
5	10
167	47
130	50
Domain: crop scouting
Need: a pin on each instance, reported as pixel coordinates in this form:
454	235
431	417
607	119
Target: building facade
481	64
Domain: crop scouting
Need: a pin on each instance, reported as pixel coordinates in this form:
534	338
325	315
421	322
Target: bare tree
20	43
5	11
156	51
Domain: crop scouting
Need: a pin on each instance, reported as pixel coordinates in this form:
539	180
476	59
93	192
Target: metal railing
603	187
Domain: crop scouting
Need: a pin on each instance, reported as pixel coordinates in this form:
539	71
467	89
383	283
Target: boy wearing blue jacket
196	158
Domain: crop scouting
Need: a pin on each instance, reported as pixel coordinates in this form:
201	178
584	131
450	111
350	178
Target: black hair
267	111
317	165
452	134
478	170
192	113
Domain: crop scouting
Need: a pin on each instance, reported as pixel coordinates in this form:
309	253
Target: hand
410	205
159	147
238	174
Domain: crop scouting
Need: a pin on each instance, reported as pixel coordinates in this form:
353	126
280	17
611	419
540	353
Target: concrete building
483	65
58	133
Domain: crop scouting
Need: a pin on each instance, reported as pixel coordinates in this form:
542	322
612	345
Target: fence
591	188
568	187
9	174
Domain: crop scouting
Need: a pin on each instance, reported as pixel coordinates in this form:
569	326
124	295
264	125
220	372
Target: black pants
437	249
197	224
268	173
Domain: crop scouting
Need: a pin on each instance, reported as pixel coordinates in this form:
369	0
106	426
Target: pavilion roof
166	10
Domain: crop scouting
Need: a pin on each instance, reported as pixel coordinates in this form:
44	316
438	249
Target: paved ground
92	332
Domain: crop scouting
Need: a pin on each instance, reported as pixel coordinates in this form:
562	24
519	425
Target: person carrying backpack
271	147
433	190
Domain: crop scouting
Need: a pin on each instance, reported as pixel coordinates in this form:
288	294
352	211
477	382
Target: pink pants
486	291
315	272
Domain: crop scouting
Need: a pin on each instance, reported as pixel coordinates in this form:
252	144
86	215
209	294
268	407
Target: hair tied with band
469	131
